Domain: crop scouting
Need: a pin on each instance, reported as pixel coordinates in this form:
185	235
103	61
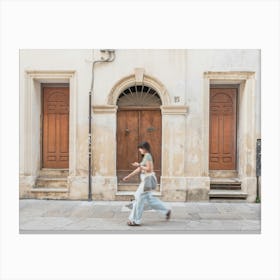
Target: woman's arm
137	170
149	167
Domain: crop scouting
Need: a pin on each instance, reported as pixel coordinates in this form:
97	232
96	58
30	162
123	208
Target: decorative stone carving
139	75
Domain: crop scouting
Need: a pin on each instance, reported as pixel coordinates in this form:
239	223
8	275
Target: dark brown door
222	136
56	127
135	126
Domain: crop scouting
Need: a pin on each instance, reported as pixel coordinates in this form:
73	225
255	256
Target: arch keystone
139	75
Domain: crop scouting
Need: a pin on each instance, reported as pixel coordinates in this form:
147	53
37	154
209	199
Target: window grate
140	96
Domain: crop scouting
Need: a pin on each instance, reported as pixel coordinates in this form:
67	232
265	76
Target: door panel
150	131
55	127
222	135
127	137
134	127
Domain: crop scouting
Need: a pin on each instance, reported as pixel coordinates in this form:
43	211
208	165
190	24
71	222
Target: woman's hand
137	170
125	178
135	164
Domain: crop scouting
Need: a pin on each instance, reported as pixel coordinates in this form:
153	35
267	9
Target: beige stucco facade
182	79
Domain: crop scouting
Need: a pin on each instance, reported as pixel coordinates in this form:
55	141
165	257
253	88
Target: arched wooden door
55	127
138	120
222	134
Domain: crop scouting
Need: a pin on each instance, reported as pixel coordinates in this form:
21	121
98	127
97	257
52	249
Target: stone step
45	182
223	173
229	200
49	190
225	187
127	187
225	183
50	193
227	194
129	195
54	173
132	187
233	181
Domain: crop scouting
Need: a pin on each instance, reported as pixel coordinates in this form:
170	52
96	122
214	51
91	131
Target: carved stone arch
132	80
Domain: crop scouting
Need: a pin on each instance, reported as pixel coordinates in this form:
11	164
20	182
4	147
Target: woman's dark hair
146	146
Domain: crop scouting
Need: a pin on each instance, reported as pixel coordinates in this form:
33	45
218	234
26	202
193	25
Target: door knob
151	129
127	131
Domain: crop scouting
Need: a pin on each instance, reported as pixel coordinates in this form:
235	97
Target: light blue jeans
139	203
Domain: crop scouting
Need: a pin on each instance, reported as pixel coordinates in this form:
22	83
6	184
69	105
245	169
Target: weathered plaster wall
51	63
61	60
197	63
167	66
180	71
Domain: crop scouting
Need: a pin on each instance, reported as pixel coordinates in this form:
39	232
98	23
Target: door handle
127	131
151	129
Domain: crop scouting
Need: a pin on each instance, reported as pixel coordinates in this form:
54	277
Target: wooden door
222	136
127	141
134	127
150	131
56	127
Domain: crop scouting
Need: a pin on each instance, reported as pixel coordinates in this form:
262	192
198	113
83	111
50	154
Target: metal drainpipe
110	58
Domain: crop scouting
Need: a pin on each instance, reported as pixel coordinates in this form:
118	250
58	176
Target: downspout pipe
110	58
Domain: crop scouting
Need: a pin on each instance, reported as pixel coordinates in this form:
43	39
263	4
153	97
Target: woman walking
145	168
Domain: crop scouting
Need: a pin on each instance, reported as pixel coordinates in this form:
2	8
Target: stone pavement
64	216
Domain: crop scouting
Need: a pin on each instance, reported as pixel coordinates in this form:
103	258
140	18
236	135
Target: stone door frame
106	181
246	125
30	122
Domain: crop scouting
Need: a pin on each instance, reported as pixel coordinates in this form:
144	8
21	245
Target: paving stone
250	216
230	225
125	209
191	208
45	223
208	209
180	212
103	212
111	217
29	207
251	225
203	225
214	226
242	208
30	212
221	216
59	211
225	207
81	212
193	216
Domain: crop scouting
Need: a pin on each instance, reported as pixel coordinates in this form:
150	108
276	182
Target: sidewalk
60	216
